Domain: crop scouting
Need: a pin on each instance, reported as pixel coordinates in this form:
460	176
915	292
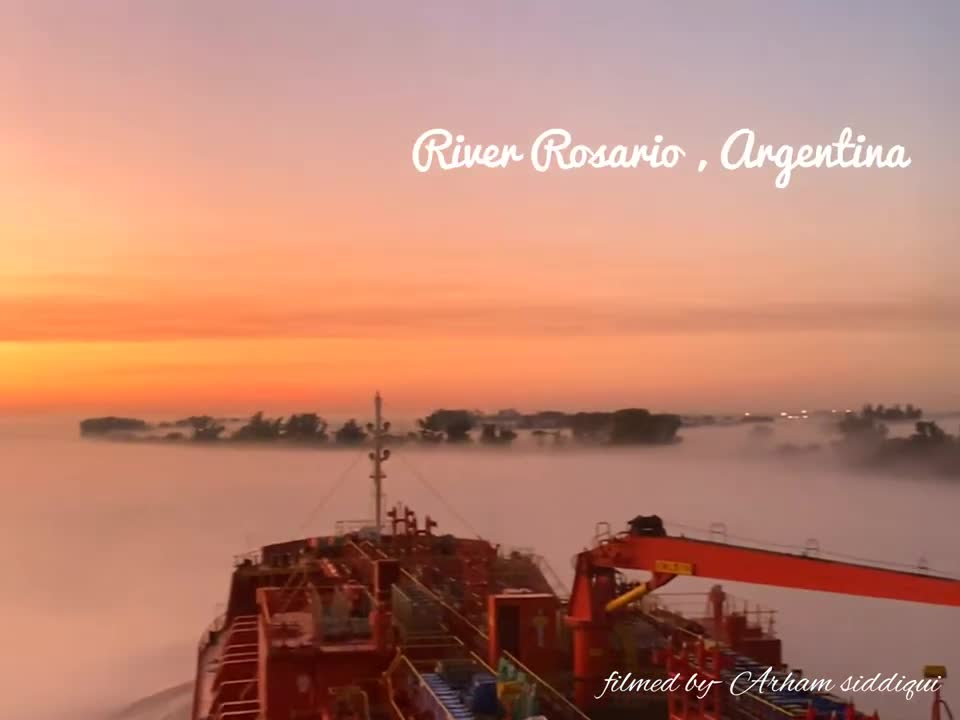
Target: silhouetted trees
624	427
493	434
260	429
892	413
205	428
545	420
454	424
636	426
865	441
105	425
591	426
929	433
862	426
631	426
306	427
428	432
350	434
557	437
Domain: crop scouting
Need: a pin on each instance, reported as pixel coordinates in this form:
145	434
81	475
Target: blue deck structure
448	696
463	696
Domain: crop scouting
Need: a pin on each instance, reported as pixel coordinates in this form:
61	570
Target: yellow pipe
628	597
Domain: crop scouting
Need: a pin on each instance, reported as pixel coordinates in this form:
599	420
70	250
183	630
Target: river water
117	555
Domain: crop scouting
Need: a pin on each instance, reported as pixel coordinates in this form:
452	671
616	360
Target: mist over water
118	555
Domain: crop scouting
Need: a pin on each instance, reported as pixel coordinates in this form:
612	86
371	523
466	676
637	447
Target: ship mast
379	430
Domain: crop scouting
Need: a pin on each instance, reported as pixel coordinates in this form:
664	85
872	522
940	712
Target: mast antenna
380	454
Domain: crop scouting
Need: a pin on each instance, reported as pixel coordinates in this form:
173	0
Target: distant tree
428	432
488	433
862	425
547	420
350	434
630	426
260	428
205	428
894	412
105	425
307	427
591	426
458	430
637	426
455	424
492	434
929	433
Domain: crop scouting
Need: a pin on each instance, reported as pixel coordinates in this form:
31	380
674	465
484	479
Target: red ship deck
418	626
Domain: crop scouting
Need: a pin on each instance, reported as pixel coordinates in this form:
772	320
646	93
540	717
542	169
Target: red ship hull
412	625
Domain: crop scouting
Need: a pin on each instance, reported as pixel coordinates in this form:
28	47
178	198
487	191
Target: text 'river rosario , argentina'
555	149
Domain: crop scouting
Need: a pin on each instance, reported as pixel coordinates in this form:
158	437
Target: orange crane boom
594	595
685	556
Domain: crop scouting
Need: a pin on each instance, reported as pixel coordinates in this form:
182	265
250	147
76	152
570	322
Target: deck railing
475	638
558	706
401	670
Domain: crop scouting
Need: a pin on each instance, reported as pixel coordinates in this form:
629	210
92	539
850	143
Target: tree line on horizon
865	440
892	413
620	427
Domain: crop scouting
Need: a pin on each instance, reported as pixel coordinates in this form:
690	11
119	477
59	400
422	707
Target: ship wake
170	704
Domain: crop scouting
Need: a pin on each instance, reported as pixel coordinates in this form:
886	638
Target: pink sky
214	208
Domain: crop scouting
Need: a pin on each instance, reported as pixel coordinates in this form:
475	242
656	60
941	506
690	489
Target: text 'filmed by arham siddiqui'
769	682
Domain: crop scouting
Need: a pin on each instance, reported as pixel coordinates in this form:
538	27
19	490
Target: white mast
379	430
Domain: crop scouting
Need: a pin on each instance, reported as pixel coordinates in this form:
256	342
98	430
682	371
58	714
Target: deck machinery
397	622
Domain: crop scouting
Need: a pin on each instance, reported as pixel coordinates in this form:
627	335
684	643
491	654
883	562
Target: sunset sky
211	206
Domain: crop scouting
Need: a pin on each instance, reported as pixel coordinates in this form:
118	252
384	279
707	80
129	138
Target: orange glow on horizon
225	215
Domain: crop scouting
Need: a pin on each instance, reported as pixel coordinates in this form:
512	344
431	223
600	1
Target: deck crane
595	599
